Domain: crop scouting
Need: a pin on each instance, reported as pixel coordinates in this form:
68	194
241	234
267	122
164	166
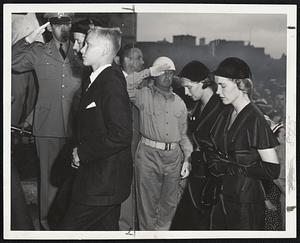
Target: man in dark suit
104	132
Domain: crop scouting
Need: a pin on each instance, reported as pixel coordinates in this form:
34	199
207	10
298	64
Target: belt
158	145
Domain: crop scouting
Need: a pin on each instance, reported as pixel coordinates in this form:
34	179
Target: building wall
263	66
188	40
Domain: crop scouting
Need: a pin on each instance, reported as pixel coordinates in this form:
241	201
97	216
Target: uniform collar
167	95
66	45
53	51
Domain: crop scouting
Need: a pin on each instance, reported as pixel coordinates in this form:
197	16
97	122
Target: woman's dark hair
197	72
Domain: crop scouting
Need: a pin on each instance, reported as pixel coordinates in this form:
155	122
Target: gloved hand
159	69
34	36
218	163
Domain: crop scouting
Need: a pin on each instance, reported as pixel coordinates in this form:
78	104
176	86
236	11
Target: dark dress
242	198
191	206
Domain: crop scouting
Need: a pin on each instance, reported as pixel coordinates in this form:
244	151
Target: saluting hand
159	69
34	36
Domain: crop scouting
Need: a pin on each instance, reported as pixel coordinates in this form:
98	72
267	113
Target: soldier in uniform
162	156
23	87
59	72
132	63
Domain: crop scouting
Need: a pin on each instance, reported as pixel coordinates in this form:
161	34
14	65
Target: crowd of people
139	142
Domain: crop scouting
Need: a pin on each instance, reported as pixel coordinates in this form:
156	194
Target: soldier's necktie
62	52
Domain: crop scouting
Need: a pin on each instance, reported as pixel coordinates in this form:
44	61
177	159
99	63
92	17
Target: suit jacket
104	133
59	81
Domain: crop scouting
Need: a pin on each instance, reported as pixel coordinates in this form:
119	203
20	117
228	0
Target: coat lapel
238	123
207	112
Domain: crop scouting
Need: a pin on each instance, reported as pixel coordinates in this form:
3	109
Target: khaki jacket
59	84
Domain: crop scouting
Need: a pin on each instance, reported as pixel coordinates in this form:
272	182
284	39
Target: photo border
291	99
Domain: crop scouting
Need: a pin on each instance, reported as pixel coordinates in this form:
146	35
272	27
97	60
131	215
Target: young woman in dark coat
243	153
199	196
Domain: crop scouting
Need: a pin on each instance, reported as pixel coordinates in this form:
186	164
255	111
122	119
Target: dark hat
81	26
234	68
59	18
195	71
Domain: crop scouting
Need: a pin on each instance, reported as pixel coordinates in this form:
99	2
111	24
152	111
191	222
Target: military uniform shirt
163	117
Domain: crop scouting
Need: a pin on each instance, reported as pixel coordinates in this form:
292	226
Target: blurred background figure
59	72
23	85
275	190
79	31
20	214
280	132
131	61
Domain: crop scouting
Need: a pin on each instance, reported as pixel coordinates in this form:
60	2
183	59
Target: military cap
59	18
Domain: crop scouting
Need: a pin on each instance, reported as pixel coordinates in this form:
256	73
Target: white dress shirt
95	74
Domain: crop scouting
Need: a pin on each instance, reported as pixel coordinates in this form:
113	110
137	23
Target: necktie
87	84
61	50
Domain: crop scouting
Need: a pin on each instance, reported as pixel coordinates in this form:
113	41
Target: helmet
161	61
234	68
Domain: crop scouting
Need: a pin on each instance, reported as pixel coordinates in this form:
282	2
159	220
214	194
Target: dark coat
202	184
104	134
240	144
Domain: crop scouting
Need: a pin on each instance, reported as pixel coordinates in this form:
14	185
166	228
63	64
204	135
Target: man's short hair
113	35
126	52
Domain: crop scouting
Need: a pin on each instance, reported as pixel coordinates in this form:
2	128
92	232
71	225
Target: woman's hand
185	170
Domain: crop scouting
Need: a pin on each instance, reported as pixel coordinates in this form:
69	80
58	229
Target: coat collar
239	121
211	107
166	95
